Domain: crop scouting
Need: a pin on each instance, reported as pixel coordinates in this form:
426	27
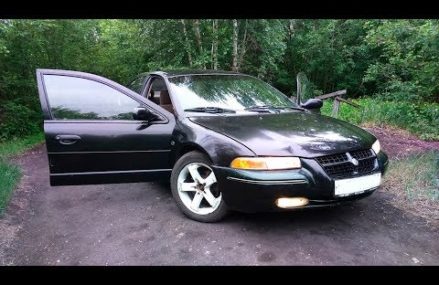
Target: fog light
291	202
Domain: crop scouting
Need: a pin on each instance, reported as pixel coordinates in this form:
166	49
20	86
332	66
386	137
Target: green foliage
331	53
421	119
394	59
267	43
18	120
408	66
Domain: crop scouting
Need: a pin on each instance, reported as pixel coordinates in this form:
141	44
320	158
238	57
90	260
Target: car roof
175	73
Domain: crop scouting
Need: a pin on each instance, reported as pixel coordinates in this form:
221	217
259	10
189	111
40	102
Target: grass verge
10	174
17	146
414	182
421	120
9	177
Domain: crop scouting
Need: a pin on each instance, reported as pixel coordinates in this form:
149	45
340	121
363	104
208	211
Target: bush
421	119
18	120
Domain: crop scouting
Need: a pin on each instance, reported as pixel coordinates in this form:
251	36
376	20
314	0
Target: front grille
341	165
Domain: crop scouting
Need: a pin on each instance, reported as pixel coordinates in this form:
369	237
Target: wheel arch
186	148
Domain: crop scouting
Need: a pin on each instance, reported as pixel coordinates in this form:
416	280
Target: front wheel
195	189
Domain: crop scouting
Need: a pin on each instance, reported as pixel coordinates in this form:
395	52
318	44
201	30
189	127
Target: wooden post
338	99
335	107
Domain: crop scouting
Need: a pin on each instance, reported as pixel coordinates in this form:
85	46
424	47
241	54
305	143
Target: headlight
266	163
376	147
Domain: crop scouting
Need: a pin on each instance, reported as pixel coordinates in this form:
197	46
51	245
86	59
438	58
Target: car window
84	99
236	92
137	84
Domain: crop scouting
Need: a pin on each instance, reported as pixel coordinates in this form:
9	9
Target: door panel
91	135
107	147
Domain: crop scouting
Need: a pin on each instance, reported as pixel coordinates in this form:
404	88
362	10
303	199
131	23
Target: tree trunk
215	44
198	38
242	47
291	29
235	46
187	43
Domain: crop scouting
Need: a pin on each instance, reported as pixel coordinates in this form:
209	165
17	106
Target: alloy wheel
197	188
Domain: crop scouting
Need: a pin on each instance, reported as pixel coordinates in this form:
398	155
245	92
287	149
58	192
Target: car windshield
226	93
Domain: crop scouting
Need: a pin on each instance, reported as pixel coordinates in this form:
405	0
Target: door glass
305	88
83	99
137	84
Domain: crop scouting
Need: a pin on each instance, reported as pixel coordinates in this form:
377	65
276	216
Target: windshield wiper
259	108
213	110
266	108
290	107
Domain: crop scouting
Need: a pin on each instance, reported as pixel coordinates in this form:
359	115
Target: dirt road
139	224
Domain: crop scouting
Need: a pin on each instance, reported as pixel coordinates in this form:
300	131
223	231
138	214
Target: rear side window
73	98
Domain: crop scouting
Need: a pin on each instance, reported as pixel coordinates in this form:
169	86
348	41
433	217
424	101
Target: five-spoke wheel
195	189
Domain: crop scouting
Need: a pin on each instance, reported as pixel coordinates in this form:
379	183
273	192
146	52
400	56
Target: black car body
91	139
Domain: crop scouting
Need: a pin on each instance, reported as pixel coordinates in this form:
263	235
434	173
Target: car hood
297	133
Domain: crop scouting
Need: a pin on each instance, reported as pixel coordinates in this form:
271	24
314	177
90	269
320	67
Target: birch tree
187	44
214	54
235	46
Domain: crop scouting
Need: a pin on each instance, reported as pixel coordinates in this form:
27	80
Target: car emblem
354	162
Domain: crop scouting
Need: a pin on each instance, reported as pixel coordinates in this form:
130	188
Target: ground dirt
398	143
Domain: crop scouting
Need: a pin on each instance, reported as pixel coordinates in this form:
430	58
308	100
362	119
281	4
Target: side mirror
143	114
312	104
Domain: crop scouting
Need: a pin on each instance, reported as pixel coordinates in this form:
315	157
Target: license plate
357	185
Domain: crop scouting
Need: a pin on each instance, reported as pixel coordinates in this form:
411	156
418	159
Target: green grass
10	174
413	181
421	120
9	177
417	175
17	146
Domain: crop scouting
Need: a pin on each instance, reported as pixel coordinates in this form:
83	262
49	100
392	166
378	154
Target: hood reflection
300	134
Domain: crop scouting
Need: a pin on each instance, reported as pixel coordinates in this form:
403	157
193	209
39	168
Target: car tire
185	188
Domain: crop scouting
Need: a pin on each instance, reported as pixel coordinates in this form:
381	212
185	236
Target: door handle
67	139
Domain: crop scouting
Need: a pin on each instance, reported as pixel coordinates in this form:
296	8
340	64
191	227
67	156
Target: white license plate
357	185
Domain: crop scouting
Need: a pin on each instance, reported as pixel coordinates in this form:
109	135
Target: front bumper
255	191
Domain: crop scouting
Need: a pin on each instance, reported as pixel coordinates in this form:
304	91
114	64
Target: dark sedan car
225	140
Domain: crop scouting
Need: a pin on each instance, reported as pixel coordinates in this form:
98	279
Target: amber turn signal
266	163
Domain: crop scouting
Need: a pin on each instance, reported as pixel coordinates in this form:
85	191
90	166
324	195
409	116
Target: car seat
165	101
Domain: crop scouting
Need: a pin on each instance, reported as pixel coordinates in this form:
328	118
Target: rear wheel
195	189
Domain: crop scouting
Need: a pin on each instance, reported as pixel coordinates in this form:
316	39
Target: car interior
159	94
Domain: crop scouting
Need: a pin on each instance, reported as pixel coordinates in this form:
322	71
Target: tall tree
186	42
199	41
242	48
214	56
235	45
